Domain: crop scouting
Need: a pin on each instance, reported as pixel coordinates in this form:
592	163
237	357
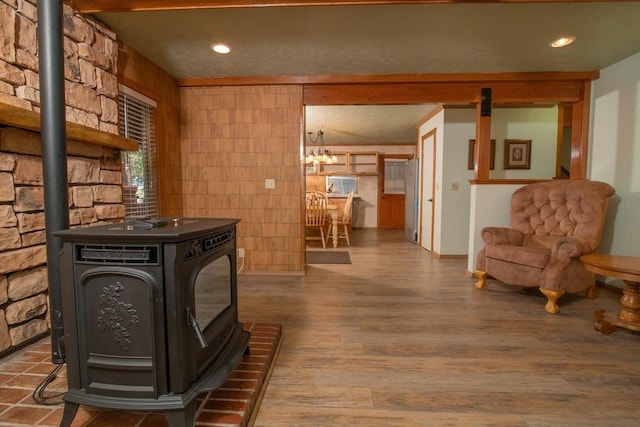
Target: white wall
436	122
540	125
489	208
457	217
615	152
460	214
459	128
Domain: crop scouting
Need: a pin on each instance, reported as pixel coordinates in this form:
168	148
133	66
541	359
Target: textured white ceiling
366	124
381	39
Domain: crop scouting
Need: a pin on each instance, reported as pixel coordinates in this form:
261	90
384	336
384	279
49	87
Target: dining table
333	210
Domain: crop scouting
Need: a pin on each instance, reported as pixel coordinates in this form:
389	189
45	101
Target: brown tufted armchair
552	224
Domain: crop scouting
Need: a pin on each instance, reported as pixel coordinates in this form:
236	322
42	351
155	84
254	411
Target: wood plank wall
233	139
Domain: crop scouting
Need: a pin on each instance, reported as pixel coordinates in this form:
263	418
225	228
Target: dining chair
344	220
316	215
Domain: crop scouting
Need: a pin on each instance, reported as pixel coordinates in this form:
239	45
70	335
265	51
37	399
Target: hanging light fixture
323	155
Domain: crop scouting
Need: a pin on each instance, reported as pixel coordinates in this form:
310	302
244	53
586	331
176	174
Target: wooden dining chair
316	215
344	220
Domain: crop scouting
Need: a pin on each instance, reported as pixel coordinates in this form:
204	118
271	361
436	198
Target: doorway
392	191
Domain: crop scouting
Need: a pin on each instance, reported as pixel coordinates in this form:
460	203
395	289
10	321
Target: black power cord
39	396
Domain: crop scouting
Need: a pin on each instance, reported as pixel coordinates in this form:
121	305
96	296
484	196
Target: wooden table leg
629	316
334	227
630	301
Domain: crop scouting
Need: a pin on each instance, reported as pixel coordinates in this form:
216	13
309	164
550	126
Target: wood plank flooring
402	338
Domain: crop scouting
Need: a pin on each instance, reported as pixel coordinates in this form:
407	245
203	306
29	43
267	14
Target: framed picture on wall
517	154
472	153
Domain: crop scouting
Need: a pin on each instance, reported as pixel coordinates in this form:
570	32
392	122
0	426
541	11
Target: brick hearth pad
235	403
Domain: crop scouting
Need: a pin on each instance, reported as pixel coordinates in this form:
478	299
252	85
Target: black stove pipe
54	156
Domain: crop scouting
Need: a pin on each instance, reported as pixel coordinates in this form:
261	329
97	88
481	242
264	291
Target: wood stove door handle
196	328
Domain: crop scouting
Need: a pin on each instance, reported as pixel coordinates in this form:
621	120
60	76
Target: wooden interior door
391	202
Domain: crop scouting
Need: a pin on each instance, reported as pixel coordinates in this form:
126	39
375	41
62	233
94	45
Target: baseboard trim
451	256
273	273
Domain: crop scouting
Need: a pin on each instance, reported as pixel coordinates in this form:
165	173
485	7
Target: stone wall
95	196
90	61
95	192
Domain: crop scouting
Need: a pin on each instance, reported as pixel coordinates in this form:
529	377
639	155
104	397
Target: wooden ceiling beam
442	92
484	78
111	6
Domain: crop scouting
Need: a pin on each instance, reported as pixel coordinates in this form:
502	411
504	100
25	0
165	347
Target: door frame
432	133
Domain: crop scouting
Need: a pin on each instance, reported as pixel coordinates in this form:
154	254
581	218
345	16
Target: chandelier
322	155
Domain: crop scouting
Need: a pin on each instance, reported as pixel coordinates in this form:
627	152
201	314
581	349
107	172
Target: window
395	171
342	184
139	168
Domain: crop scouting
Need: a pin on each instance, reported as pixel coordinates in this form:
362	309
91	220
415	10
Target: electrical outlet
270	184
241	252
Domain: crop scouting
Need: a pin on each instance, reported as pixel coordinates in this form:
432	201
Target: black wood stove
150	314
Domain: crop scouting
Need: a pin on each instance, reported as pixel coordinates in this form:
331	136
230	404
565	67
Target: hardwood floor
402	338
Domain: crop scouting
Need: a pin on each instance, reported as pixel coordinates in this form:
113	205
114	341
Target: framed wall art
472	153
517	154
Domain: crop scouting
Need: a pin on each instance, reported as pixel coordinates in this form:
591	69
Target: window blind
139	168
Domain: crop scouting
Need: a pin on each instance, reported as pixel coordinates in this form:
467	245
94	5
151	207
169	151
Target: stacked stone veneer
95	196
90	60
95	193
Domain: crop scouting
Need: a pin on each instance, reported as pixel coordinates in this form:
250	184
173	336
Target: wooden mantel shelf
25	119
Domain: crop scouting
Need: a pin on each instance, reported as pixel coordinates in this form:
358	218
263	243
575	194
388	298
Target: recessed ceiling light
562	41
220	48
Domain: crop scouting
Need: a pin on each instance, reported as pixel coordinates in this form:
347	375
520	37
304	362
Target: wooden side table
626	268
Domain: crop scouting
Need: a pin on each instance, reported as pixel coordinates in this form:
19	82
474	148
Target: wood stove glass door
212	290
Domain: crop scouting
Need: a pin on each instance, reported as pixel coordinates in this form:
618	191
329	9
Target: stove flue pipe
54	156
